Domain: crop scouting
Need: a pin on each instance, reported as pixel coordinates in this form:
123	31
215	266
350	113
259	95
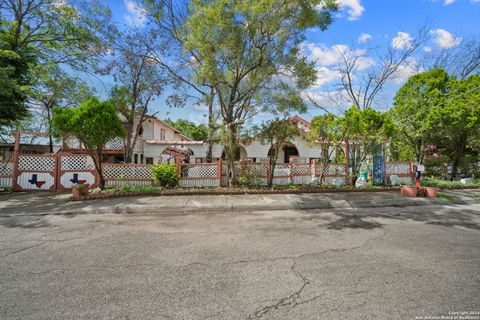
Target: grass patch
432	182
446	197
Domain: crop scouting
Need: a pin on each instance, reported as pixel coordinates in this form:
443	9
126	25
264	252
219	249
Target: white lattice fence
128	172
76	163
124	174
199	175
398	168
36	163
6	173
333	169
302	170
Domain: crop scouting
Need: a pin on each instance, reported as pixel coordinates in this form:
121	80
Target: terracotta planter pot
430	192
75	193
408	191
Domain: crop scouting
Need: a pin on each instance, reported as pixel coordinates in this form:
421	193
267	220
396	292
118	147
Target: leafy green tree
249	51
413	105
46	32
55	88
276	133
365	129
456	120
93	123
327	132
193	131
13	87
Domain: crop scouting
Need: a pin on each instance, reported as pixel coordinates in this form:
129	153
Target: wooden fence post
219	173
291	170
16	157
313	168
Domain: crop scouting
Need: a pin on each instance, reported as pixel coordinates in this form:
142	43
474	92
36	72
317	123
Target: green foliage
432	182
93	123
244	49
413	106
365	129
275	133
249	177
13	86
165	175
193	131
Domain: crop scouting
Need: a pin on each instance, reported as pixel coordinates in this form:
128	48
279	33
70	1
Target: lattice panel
127	172
199	171
117	143
332	169
302	169
35	163
397	168
281	170
6	168
79	163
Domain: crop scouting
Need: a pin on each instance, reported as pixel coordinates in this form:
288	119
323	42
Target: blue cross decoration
378	165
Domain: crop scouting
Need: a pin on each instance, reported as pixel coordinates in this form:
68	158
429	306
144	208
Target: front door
290	151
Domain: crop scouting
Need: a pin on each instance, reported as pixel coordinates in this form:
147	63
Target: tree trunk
273	164
231	144
211	125
457	157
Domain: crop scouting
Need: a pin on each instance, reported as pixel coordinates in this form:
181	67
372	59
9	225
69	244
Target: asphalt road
385	263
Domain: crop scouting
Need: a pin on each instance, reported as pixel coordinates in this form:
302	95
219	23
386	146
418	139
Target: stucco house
160	142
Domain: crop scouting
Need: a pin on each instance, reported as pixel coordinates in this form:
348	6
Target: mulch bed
226	191
237	191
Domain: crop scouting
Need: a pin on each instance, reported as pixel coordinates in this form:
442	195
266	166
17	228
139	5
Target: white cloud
364	37
136	14
427	49
355	8
445	39
327	59
447	2
402	41
405	71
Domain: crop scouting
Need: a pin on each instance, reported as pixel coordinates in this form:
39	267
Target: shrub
249	177
165	175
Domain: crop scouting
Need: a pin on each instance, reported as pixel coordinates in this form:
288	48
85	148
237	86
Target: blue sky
359	25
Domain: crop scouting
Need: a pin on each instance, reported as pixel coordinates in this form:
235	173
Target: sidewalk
55	203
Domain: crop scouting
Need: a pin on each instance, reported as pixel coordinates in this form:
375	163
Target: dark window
149	160
141	158
135	158
162	134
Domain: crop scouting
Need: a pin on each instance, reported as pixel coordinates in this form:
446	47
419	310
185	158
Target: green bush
165	175
249	177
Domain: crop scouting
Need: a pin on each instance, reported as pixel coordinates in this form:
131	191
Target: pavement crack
291	300
21	250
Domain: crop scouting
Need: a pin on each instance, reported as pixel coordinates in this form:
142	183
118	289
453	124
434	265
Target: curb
229	207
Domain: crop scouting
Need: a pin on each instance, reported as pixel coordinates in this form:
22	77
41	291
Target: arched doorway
287	151
240	154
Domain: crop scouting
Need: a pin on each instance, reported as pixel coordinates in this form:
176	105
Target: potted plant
80	190
408	191
430	192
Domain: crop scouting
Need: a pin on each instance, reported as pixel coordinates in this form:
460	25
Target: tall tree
169	18
141	80
276	133
456	120
48	32
93	123
249	51
54	88
198	132
413	105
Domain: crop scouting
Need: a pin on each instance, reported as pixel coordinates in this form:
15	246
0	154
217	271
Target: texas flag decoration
34	180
